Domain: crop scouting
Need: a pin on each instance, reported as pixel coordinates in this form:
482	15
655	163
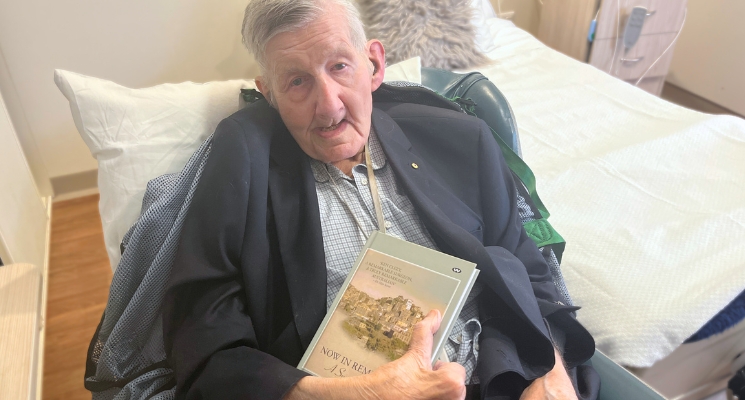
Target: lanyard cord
373	192
374	189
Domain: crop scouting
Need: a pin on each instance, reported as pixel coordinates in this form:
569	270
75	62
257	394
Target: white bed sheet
649	196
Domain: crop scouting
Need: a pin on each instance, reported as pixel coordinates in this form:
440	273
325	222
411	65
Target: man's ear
263	87
376	55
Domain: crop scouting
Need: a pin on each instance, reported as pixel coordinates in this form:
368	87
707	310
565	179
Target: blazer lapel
295	205
438	207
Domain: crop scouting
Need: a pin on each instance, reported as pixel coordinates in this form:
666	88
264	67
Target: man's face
322	86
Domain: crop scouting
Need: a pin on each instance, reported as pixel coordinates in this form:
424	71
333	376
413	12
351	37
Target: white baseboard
43	305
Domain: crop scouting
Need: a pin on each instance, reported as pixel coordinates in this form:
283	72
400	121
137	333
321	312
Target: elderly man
283	208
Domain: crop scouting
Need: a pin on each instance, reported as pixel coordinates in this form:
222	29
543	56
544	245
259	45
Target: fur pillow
439	31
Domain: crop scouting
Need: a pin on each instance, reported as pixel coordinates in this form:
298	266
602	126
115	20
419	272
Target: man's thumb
421	339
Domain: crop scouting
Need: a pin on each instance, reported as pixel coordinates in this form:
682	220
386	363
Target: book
392	286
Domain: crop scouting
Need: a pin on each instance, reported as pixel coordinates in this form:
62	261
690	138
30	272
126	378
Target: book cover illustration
372	322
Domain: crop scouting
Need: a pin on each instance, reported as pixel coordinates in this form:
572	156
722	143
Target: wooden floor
682	97
79	277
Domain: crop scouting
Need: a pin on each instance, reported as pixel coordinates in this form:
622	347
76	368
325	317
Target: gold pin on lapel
414	165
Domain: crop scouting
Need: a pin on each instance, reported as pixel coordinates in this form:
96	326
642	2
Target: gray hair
265	19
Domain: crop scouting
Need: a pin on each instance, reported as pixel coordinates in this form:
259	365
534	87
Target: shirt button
388	224
363	181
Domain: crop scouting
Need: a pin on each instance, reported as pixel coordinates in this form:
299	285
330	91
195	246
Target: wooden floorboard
79	277
687	99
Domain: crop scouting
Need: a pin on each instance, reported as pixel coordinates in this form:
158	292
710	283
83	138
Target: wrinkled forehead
309	59
326	38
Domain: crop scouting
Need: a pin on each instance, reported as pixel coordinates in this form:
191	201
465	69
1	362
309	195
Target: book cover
392	286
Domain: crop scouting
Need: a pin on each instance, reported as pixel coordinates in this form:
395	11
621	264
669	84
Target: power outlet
507	15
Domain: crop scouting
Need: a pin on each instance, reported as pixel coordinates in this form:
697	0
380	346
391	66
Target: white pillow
487	25
139	134
408	70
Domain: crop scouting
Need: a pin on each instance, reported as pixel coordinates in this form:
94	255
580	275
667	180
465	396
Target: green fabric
516	164
543	234
251	95
539	230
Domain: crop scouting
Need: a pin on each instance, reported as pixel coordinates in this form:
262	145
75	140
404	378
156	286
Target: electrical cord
618	33
670	46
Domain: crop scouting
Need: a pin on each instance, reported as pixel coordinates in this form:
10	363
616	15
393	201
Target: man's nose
328	103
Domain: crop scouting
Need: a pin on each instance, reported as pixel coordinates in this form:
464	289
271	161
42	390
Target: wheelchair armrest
616	383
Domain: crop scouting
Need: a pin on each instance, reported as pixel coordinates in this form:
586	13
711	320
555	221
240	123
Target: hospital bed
648	195
673	374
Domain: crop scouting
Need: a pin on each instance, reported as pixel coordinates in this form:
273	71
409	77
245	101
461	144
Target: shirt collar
377	156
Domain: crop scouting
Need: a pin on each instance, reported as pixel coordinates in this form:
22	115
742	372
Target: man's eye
296	82
340	66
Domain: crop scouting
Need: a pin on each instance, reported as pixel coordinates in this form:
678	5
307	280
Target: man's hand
412	376
409	377
555	385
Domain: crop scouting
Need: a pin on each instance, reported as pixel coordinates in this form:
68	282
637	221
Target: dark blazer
248	287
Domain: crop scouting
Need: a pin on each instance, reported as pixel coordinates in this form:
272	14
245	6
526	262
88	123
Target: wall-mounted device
634	25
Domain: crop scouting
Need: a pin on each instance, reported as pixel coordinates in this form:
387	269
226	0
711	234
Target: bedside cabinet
22	314
564	26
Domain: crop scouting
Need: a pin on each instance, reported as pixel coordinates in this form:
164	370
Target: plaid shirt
343	239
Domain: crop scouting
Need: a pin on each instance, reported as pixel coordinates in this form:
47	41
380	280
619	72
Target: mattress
648	195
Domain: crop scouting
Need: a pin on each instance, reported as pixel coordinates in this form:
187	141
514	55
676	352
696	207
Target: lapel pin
414	165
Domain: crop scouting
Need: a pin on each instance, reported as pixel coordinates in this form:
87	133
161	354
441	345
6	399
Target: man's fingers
436	318
452	377
452	369
421	339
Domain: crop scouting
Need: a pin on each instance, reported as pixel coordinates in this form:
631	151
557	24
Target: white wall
27	140
137	43
23	217
709	58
